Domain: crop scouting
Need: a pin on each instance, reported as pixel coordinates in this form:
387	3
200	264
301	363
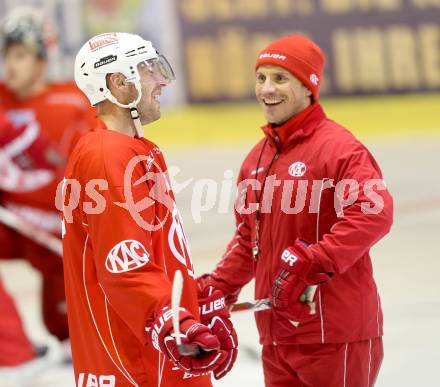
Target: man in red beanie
311	203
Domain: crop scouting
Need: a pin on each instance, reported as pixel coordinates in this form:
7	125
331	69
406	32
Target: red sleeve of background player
3	122
122	247
28	158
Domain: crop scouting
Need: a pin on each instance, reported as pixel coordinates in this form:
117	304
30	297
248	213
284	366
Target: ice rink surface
406	262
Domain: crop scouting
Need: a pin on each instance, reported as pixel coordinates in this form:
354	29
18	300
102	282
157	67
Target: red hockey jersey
123	240
60	114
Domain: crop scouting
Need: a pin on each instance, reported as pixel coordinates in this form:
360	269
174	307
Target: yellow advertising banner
372	46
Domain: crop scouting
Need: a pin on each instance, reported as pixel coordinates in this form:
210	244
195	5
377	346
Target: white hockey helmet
116	52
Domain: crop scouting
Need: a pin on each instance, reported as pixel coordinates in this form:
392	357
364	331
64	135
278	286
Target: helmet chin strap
136	120
132	106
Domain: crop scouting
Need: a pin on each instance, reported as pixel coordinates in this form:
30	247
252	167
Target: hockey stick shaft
32	232
176	295
264	303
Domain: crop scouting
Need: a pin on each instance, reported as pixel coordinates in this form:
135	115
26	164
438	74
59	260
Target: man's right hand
210	355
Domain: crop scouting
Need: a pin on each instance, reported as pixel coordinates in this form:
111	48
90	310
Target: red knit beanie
298	55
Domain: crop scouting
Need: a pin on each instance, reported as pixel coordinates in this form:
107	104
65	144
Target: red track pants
15	347
323	365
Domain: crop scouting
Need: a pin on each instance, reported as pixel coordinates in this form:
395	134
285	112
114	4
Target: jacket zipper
277	155
321	317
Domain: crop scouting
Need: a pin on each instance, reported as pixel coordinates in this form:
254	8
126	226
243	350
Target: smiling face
280	93
152	82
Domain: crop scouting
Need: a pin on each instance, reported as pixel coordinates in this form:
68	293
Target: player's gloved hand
215	314
194	334
291	281
206	280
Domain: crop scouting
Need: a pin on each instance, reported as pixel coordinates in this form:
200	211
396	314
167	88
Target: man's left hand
215	314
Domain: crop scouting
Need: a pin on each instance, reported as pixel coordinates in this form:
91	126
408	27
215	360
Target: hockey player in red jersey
123	236
15	347
22	169
48	119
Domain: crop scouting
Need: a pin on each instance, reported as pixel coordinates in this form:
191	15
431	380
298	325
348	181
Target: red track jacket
304	174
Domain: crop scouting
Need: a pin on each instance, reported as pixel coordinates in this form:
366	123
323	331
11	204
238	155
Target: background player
22	169
15	347
54	114
121	254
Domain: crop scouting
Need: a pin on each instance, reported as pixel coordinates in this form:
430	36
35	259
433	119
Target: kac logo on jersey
297	169
126	255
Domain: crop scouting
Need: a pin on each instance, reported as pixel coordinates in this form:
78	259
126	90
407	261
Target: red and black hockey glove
293	277
206	280
192	333
215	314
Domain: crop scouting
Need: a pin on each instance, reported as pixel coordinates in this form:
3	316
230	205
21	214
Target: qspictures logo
291	196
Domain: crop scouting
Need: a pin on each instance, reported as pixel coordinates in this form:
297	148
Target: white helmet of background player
117	52
27	25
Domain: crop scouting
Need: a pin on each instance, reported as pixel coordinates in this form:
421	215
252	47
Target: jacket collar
300	125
